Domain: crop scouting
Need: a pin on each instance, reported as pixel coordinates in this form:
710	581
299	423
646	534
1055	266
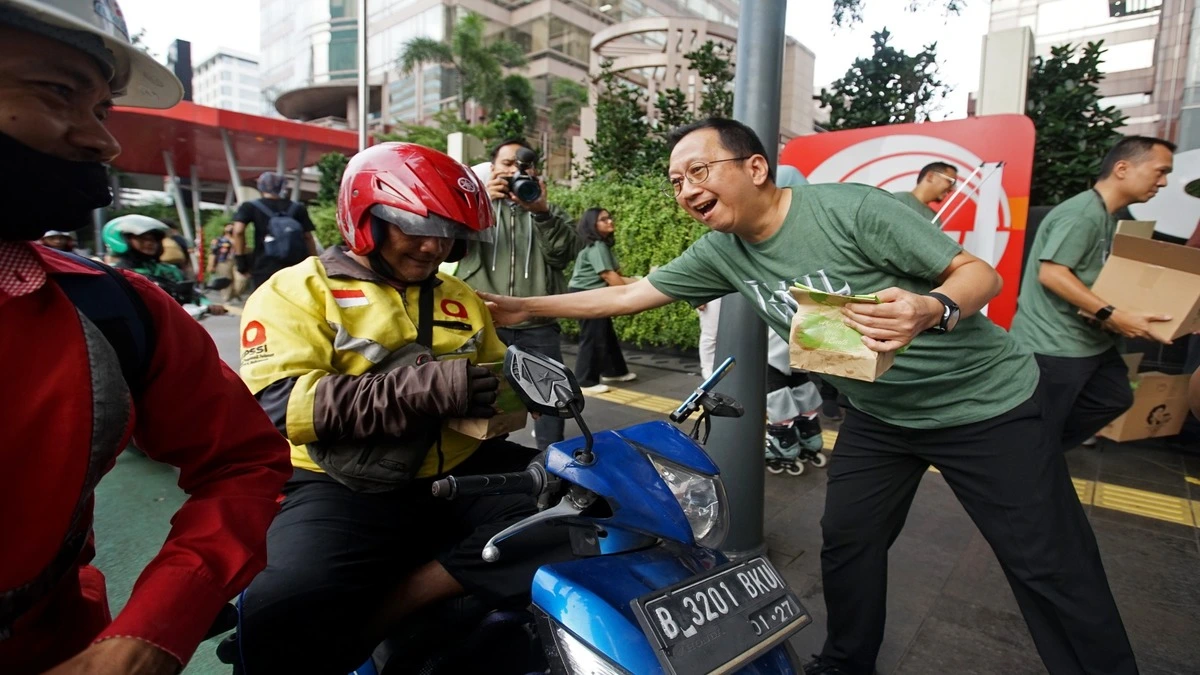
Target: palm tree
480	66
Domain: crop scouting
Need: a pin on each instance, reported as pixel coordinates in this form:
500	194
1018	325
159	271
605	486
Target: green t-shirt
590	262
910	200
857	239
1077	233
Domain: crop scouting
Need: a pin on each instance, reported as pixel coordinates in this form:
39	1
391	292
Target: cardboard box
512	415
821	343
1154	277
1160	405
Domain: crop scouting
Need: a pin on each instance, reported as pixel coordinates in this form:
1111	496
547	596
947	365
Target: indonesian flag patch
350	298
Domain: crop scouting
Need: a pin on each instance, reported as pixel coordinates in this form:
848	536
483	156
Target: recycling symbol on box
1159	415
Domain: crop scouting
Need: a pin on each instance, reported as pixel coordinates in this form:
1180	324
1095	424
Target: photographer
534	243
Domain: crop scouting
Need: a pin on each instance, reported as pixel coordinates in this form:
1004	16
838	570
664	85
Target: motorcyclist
361	356
136	243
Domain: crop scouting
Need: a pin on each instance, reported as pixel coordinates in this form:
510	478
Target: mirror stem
584	456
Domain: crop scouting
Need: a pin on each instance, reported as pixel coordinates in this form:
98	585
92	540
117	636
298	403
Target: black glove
243	262
482	386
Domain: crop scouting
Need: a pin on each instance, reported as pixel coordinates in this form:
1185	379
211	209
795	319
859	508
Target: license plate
722	620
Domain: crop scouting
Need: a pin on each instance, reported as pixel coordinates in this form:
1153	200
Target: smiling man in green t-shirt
963	397
1082	371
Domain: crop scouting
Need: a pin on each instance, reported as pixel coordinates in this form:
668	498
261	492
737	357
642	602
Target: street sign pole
737	443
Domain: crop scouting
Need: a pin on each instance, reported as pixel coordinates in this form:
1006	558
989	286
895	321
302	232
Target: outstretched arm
596	304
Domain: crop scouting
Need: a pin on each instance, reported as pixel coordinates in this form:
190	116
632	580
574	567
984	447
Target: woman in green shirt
600	359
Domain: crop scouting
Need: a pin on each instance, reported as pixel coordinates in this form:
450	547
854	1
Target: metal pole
176	192
364	93
299	171
235	179
737	443
281	156
199	233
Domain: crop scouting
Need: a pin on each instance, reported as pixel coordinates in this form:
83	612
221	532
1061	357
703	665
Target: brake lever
564	509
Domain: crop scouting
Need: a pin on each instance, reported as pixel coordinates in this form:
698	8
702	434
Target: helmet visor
432	225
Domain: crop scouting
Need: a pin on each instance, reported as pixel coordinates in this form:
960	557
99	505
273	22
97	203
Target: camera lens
525	188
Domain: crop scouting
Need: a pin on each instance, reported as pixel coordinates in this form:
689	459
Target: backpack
285	234
110	302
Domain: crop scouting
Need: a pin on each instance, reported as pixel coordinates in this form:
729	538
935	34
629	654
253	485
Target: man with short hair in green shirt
963	397
1087	381
935	182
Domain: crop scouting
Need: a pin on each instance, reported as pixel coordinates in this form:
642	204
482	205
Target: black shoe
822	666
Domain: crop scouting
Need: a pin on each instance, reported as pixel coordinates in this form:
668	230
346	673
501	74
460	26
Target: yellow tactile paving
1143	503
1086	490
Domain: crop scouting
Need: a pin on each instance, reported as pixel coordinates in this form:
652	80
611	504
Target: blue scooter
646	510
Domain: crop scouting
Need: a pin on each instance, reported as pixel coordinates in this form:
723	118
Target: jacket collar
338	265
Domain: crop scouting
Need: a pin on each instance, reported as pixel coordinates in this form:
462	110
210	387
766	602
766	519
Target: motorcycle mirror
544	385
219	283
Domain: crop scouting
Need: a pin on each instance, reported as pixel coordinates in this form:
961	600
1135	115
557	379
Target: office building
1150	54
230	80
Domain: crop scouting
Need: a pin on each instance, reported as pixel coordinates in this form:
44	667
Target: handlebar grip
515	483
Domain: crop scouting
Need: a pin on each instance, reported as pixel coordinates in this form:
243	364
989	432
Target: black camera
522	185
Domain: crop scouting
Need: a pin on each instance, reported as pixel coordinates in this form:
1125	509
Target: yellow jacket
314	331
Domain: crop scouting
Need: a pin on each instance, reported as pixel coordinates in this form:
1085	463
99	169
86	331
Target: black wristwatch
1103	313
950	314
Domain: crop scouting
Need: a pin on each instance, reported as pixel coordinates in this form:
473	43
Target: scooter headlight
701	497
580	659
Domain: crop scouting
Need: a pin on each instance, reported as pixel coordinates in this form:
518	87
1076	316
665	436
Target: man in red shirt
67	407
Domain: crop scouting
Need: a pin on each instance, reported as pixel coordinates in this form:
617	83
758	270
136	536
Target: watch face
952	320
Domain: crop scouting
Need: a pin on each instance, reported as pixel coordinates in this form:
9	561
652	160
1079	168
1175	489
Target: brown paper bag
821	343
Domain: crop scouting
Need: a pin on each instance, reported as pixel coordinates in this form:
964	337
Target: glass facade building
312	44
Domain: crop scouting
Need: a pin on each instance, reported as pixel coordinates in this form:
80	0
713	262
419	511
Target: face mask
41	192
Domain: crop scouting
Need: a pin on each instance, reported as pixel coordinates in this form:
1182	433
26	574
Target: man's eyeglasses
696	174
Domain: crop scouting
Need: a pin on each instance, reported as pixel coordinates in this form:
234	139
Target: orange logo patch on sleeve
253	335
454	308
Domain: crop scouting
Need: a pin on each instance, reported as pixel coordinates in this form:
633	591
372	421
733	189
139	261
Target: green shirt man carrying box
963	397
1073	332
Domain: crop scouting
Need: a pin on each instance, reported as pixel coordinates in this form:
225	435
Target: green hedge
324	218
651	230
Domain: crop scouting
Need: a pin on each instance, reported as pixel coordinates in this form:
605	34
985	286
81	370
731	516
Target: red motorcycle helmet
423	192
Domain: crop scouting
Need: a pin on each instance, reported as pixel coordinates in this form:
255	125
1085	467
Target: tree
138	40
508	124
850	12
330	168
567	98
622	129
890	87
712	62
480	65
631	145
1073	131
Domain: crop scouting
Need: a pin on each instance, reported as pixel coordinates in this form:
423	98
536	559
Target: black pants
334	555
1011	477
547	341
599	352
1084	394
